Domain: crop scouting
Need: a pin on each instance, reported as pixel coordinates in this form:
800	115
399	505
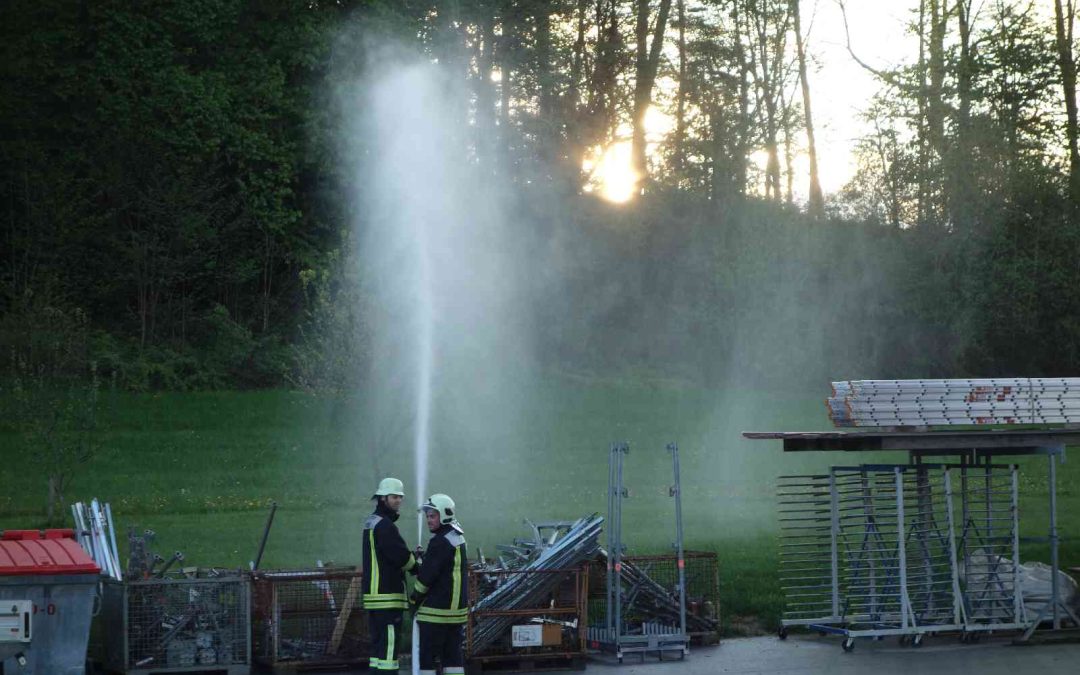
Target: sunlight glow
614	174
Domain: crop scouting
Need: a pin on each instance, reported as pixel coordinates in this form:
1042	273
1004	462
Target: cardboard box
552	634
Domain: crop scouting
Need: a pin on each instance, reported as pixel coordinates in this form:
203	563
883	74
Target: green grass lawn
200	469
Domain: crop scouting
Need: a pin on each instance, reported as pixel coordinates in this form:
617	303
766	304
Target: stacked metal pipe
887	403
94	531
644	597
580	543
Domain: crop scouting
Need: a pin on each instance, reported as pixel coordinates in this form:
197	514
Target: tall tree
647	65
1064	17
816	204
680	103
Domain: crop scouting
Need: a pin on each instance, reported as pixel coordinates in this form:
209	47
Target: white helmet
441	504
390	486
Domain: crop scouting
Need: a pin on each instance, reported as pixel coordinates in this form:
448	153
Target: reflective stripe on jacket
443	578
386	559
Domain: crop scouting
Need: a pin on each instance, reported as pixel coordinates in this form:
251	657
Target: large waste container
47	588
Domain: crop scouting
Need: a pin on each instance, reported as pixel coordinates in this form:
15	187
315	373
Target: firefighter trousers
440	643
385	629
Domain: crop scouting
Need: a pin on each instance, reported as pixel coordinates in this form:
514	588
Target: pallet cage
309	618
702	592
177	625
551	605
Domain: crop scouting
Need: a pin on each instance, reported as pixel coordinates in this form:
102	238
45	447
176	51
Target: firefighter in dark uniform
386	560
441	597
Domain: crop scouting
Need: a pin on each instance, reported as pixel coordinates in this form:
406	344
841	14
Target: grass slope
201	468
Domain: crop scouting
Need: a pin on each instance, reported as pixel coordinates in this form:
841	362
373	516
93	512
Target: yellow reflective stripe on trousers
436	615
382	664
453	620
383	597
374	564
439	611
390	646
455	595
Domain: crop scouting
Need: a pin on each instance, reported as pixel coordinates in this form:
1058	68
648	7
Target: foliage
179	173
54	391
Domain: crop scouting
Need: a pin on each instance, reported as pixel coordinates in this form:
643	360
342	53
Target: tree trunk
50	507
648	61
768	86
547	117
485	94
507	51
923	178
742	149
935	110
962	190
680	103
816	203
1063	24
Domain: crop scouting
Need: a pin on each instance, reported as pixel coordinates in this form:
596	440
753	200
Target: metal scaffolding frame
617	635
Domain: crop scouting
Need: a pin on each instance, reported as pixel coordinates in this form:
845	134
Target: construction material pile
646	601
889	403
567	547
94	532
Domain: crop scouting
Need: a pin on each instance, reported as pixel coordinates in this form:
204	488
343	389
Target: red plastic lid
27	552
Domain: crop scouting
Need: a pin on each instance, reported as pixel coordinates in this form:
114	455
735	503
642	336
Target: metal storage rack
617	635
556	601
309	618
986	537
178	625
869	551
989	547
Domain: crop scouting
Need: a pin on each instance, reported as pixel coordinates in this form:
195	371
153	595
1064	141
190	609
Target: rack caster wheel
917	640
782	633
848	644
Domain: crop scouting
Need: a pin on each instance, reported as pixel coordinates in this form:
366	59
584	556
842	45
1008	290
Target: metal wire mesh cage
309	617
653	592
178	624
546	621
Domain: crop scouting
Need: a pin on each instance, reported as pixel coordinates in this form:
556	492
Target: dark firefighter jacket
386	559
443	579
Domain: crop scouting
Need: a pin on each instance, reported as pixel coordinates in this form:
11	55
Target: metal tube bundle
522	590
94	531
645	597
881	403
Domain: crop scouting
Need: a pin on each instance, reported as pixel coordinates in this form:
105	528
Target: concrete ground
805	654
812	654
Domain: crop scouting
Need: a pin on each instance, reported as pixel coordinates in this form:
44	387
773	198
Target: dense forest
176	210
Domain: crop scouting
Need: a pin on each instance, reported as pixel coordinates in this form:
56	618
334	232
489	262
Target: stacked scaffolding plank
892	403
877	550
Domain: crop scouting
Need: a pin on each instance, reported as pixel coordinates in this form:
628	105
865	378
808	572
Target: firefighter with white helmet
386	560
441	596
